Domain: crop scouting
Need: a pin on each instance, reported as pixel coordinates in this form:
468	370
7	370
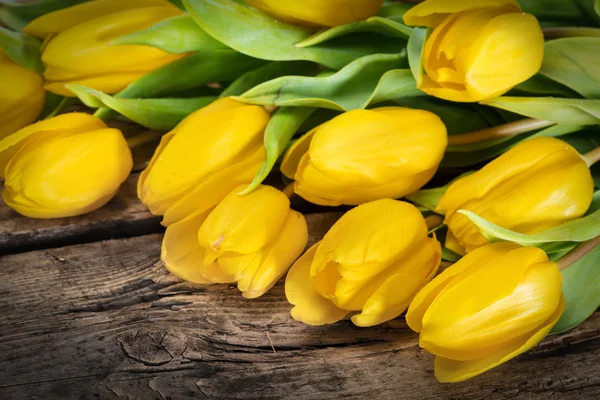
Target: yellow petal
207	193
447	370
487	307
22	96
61	20
517	40
476	259
61	174
155	208
309	307
245	223
279	255
317	12
289	164
204	143
432	12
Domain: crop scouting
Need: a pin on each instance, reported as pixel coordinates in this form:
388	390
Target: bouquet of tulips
464	134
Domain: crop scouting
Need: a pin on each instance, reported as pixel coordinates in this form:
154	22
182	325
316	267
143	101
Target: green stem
510	129
577	253
592	157
104	113
556	33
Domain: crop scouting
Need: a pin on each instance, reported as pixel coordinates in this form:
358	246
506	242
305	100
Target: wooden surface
89	312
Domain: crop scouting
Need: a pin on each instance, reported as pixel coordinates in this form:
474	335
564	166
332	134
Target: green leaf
588	8
259	35
394	10
575	63
352	87
174	35
280	130
474	153
542	86
578	230
158	114
17	14
581	289
559	10
430	198
380	25
415	46
561	111
267	72
597	7
23	49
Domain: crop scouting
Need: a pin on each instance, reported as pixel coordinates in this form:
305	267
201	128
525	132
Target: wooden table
89	312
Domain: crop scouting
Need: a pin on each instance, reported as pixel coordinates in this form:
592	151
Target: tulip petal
291	160
232	226
141	183
279	255
448	370
61	20
309	307
476	259
207	193
431	13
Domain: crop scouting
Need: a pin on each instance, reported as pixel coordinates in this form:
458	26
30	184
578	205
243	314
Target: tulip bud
63	166
250	239
21	96
318	13
373	260
365	155
492	305
207	155
478	50
536	185
79	44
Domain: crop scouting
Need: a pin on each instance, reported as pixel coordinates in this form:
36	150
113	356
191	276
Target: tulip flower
478	50
212	151
249	239
79	43
373	261
21	96
318	13
492	305
63	166
365	155
538	184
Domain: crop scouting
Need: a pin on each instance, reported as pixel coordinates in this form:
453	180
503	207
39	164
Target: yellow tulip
492	305
21	96
365	155
212	151
479	49
538	184
249	239
372	261
318	13
63	166
79	44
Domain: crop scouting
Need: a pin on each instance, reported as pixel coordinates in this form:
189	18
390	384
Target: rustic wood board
106	320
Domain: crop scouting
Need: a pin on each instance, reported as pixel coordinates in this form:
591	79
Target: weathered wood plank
106	320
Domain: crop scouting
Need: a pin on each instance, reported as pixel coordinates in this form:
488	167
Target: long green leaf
579	230
174	35
415	46
353	87
575	63
430	198
267	72
158	114
581	289
23	49
561	111
539	85
259	35
280	130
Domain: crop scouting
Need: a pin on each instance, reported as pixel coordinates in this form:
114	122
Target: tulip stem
510	129
143	138
434	221
577	253
592	157
555	33
289	190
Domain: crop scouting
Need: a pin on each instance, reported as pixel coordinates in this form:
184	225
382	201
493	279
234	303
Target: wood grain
106	320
